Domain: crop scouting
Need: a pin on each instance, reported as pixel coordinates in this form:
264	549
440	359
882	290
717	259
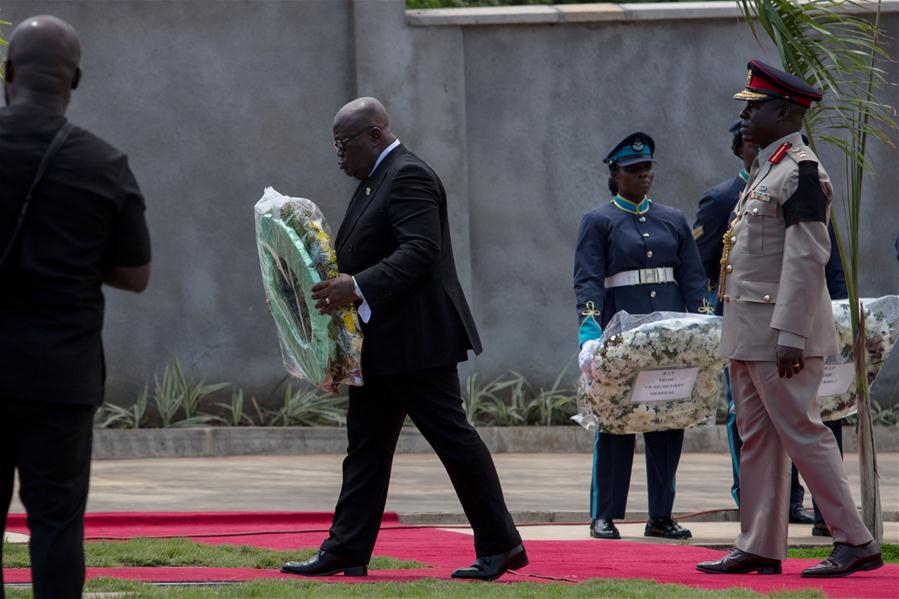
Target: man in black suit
396	263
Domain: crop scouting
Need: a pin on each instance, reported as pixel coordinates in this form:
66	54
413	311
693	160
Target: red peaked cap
766	83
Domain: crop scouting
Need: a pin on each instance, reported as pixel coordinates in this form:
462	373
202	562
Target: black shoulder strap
52	149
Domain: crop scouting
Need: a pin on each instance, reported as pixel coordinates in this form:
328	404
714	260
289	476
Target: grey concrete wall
214	100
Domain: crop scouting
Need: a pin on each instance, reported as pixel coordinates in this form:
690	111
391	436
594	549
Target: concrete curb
551	517
119	444
593	13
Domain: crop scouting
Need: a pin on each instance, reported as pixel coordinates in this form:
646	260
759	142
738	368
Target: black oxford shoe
666	528
740	562
491	567
798	515
820	530
325	564
604	529
846	559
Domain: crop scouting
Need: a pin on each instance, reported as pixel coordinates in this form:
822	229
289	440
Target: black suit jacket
395	240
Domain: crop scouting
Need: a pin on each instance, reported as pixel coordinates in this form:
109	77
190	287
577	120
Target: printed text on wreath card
836	379
664	385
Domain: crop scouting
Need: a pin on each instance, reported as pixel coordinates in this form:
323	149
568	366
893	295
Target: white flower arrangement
674	340
881	333
662	340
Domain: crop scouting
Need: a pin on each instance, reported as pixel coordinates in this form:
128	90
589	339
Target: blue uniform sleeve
689	274
836	278
589	277
707	232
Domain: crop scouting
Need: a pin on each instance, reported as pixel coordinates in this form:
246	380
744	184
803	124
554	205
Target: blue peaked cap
635	148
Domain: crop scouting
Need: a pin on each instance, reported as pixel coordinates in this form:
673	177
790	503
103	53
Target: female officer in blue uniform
637	255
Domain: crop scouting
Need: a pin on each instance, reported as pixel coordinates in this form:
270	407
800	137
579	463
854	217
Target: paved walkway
542	483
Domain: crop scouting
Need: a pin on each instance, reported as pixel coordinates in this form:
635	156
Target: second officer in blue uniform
636	255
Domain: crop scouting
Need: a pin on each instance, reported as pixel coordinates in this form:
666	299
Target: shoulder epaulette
801	154
780	152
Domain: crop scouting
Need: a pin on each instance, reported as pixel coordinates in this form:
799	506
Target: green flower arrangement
295	252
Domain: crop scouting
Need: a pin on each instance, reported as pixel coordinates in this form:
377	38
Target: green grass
620	589
184	552
890	553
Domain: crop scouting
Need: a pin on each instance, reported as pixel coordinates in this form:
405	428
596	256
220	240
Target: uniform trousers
797	493
432	399
613	459
779	419
50	446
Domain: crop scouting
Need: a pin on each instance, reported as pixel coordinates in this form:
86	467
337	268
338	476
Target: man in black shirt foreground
84	226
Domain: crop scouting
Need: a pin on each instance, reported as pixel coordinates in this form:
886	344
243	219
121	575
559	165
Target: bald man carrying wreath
396	263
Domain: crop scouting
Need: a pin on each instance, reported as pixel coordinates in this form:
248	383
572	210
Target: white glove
585	358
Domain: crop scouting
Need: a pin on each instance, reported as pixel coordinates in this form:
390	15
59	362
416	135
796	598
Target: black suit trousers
50	446
375	418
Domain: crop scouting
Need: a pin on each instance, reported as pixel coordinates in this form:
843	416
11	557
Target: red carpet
444	551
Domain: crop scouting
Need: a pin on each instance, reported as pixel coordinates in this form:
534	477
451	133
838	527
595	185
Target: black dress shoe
666	528
491	567
604	529
740	562
820	530
798	515
325	564
846	559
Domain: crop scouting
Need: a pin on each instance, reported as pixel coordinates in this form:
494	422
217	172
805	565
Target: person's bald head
42	62
361	131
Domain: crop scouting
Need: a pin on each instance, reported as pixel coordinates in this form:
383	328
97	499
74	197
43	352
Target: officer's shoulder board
802	154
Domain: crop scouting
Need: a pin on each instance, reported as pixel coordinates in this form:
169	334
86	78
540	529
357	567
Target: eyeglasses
340	144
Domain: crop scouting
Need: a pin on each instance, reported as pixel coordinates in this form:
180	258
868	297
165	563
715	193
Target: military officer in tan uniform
777	330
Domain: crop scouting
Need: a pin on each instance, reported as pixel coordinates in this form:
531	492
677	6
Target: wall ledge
560	14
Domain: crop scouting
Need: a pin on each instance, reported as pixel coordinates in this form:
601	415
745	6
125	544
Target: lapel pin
368	191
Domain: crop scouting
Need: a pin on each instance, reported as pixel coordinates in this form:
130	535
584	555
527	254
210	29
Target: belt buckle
648	276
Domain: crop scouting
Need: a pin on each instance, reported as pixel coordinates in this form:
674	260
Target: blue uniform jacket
611	241
712	220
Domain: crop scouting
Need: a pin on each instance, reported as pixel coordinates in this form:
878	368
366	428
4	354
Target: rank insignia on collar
697	232
780	152
368	191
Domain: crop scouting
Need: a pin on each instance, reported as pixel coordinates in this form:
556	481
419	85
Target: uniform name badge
667	384
836	379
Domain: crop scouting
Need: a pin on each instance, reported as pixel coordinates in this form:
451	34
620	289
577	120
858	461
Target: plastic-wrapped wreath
881	333
675	341
669	346
295	252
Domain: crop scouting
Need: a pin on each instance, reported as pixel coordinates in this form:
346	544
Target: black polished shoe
491	567
846	559
666	528
604	529
798	515
740	562
820	530
325	564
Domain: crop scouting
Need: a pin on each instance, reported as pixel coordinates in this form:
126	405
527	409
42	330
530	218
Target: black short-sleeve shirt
85	216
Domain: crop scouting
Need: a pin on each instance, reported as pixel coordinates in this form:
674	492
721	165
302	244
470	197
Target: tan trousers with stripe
779	419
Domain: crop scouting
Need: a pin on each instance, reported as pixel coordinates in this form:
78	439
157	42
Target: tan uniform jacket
775	289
